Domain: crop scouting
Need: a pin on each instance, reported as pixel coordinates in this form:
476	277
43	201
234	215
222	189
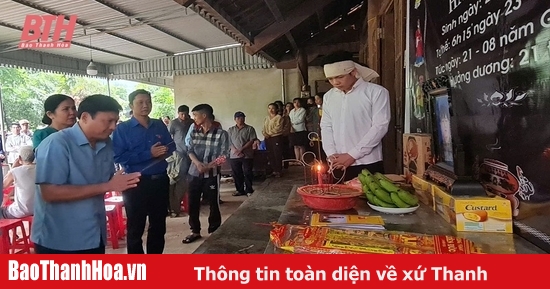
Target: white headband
346	67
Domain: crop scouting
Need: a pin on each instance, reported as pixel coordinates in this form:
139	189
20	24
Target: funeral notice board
496	54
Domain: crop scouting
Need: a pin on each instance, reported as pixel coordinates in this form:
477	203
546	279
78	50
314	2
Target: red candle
319	175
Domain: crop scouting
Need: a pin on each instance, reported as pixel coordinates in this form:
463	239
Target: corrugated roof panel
84	9
156	38
29	59
176	19
197	28
174	23
9	36
84	53
166	14
194	63
98	40
15	13
147	7
122	46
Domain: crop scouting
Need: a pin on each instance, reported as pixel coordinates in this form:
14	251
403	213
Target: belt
154	177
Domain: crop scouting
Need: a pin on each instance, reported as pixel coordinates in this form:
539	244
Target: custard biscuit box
423	190
443	204
474	214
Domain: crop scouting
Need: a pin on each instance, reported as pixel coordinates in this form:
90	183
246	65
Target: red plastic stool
112	226
5	197
118	202
29	219
15	245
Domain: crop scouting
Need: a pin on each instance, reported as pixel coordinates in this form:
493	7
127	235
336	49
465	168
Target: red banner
291	271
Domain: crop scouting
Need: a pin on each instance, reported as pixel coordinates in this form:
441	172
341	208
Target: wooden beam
274	10
314	51
333	34
278	29
185	3
287	64
223	20
321	20
279	18
328	49
303	61
386	7
268	57
290	39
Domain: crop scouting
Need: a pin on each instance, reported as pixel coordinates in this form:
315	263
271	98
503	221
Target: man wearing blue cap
241	158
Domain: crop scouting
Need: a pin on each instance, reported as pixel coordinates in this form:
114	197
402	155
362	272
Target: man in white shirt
356	115
25	127
14	141
23	178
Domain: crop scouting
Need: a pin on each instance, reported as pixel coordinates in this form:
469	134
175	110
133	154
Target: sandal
191	238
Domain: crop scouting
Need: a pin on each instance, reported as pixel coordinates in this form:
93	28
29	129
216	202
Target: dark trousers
353	171
274	147
148	199
242	174
177	192
208	188
44	250
288	152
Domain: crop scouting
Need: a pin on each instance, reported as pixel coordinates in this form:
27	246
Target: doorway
387	79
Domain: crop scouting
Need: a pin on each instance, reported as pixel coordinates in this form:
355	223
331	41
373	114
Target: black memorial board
497	57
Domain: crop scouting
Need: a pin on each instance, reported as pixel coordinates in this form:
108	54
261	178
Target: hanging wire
91	49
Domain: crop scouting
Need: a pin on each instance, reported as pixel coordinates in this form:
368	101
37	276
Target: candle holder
320	171
320	174
317	171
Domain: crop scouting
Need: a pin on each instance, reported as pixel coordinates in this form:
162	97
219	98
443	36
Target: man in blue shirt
74	169
141	144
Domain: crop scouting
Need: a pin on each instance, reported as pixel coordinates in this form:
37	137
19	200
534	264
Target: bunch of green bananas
382	192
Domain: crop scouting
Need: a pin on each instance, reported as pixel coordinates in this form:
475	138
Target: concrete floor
178	228
246	231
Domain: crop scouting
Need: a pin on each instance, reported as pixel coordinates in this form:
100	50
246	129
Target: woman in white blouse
298	136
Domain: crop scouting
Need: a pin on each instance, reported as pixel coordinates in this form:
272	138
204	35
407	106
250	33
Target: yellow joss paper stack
323	240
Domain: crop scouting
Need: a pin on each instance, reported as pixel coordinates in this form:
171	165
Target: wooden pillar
363	35
383	50
372	57
400	14
303	66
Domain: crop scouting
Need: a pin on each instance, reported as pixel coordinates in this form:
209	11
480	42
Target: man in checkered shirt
208	143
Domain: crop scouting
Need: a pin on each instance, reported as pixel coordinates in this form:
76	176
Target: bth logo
37	28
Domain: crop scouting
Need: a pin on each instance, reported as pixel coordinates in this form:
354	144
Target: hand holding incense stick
158	160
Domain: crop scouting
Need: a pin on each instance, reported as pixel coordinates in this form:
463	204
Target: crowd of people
60	173
288	131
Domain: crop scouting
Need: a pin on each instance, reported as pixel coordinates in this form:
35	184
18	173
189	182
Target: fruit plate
396	211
